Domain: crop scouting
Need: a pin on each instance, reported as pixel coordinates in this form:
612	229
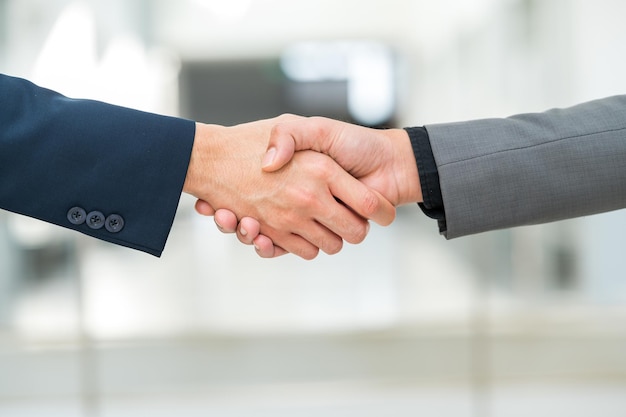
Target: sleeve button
95	220
114	223
76	215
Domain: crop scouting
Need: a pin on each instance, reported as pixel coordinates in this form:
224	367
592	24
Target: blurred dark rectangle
232	92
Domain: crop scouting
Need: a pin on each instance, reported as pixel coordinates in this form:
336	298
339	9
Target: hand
382	159
297	207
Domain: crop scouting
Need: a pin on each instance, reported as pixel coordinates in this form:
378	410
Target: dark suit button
114	223
95	220
76	215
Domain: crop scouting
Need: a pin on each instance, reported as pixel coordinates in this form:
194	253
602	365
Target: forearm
59	153
532	168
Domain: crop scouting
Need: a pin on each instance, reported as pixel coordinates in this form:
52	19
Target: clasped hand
298	185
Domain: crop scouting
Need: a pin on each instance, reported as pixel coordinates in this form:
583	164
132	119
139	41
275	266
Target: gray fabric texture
532	168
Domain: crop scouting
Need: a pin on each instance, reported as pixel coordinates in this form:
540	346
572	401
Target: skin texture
380	159
307	205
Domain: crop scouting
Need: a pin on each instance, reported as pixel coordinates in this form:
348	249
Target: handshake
297	184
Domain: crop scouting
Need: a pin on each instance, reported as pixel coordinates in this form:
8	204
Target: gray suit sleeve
532	168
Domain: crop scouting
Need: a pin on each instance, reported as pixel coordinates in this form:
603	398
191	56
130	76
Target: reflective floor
197	378
373	331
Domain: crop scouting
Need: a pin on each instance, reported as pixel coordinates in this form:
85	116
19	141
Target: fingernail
367	228
268	158
219	226
256	248
243	231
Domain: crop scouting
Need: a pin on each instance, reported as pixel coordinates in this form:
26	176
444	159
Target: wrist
405	168
199	164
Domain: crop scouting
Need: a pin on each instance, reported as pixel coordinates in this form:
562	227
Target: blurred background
530	321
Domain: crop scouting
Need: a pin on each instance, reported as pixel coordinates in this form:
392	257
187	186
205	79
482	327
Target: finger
291	242
226	221
265	248
343	221
301	247
204	208
248	230
365	201
318	234
327	241
322	220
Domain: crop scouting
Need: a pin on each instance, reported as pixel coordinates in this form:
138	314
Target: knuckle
308	199
277	131
325	168
370	204
327	164
360	235
333	246
308	253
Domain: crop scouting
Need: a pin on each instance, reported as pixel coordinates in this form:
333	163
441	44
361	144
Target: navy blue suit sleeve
57	153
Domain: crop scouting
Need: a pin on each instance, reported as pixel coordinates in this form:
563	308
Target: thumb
280	150
287	138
